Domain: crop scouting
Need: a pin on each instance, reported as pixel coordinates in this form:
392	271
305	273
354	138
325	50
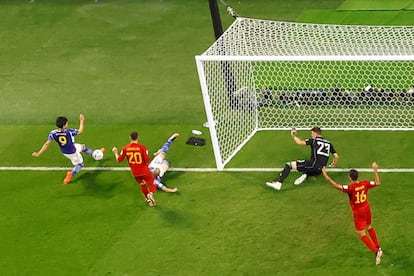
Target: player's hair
134	135
156	172
353	174
61	121
317	130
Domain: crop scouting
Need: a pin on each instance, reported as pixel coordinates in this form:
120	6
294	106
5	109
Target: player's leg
286	170
361	226
142	185
144	189
379	252
77	168
164	166
152	188
306	167
162	187
283	175
164	149
367	241
361	229
170	190
83	148
371	245
372	233
77	160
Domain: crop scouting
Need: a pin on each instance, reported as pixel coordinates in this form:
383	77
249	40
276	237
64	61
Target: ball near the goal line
97	154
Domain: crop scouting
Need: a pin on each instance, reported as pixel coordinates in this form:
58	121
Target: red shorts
362	218
145	179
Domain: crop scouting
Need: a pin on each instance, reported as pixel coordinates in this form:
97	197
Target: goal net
271	75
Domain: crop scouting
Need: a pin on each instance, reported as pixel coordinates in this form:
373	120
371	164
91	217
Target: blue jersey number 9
62	140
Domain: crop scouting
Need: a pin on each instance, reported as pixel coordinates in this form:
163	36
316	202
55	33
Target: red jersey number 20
134	158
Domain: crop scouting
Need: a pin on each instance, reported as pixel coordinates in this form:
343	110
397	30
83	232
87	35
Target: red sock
369	243
373	236
144	190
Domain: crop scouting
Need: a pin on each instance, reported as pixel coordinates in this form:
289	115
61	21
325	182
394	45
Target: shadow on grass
94	186
174	217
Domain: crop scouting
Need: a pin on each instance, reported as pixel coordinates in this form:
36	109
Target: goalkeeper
320	151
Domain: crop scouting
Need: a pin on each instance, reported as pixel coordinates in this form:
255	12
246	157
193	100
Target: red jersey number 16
361	197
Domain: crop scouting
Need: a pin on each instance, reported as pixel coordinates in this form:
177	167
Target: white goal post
272	75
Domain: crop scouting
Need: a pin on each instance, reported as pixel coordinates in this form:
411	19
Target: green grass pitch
130	65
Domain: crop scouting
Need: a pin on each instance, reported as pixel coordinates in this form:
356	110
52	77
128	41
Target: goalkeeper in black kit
321	149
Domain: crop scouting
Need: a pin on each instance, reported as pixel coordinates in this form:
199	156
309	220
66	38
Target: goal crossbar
307	58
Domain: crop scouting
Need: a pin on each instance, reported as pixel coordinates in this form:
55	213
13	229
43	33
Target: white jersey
156	163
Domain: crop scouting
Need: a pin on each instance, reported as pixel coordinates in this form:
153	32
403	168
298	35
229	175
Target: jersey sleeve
122	155
332	149
73	132
309	141
51	136
146	156
370	184
346	189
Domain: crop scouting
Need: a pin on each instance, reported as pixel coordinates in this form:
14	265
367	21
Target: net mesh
254	37
266	75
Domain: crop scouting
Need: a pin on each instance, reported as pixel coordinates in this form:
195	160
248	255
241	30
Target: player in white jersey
159	165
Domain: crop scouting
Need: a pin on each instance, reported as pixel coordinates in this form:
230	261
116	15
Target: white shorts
156	163
76	158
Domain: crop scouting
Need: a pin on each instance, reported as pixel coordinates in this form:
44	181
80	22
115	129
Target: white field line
395	170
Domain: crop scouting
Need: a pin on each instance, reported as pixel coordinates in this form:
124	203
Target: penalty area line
17	168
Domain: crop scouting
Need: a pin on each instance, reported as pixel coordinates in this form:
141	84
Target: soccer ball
97	154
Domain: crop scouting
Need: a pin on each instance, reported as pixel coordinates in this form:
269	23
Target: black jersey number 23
323	148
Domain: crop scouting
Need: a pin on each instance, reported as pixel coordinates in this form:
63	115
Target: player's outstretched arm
376	174
293	134
42	149
81	120
335	160
115	152
330	180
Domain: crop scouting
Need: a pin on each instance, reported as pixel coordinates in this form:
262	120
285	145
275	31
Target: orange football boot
67	178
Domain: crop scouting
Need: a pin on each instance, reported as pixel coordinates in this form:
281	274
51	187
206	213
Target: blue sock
77	168
88	150
166	146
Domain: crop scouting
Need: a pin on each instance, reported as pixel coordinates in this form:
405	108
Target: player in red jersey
138	160
358	199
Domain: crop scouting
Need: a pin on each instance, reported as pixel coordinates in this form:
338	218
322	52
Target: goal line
17	168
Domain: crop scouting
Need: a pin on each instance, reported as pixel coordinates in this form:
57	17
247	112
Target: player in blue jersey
159	165
65	137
